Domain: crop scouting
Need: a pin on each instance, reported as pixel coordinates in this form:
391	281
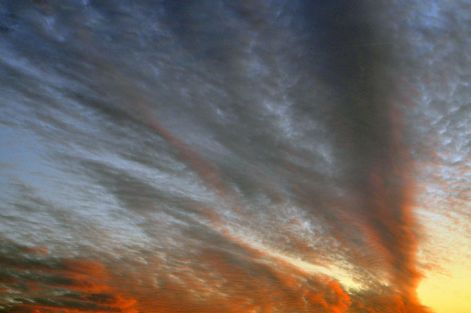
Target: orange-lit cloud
44	284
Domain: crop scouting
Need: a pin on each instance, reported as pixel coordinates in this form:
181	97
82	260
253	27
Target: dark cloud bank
222	156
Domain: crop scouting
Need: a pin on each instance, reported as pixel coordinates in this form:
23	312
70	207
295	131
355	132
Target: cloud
37	282
227	157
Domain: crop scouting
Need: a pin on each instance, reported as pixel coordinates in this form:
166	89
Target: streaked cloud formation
220	156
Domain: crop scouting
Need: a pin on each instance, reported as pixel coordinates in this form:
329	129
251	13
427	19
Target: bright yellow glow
446	288
448	293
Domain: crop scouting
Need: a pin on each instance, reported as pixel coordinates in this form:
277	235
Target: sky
265	156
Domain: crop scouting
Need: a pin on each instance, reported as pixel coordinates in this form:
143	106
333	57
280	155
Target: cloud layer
259	156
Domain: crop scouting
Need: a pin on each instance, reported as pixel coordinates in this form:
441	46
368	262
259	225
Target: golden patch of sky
446	287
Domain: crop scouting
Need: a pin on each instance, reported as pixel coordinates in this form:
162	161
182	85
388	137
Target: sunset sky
253	156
